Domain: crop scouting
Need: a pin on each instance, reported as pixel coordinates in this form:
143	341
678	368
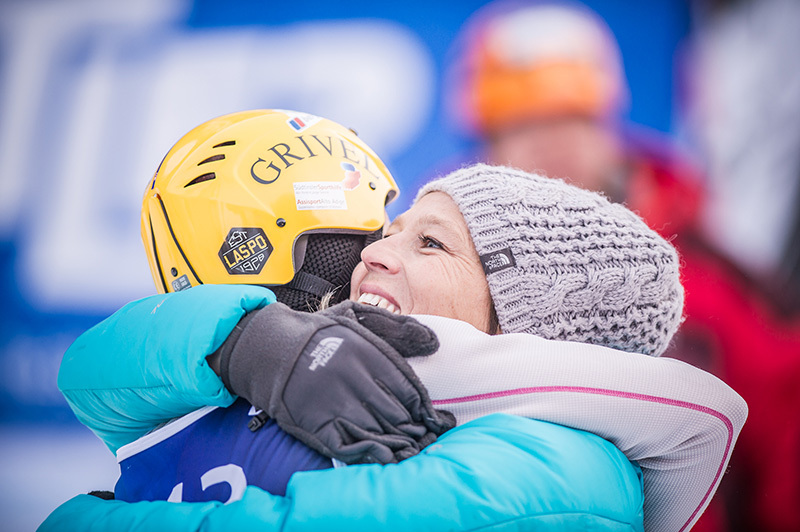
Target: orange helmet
520	61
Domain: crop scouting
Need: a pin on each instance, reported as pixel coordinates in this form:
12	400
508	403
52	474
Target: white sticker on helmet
319	195
300	121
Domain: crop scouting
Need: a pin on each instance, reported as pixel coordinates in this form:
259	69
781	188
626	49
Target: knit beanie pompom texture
565	263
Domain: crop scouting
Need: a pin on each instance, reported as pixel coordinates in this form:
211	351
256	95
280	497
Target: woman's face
425	264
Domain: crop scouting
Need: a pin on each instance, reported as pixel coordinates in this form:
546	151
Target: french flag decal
298	124
300	121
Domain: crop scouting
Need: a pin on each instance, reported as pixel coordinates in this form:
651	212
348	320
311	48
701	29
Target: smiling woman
512	252
426	264
545	257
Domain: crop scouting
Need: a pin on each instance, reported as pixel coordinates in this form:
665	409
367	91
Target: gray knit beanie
565	263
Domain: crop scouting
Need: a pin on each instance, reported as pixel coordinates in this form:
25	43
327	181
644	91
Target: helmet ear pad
331	257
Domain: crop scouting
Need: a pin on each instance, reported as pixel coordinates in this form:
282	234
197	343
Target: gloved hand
337	379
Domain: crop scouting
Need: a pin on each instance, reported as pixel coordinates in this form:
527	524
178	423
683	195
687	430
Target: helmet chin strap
311	284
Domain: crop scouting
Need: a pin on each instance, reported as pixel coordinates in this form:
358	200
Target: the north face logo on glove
324	351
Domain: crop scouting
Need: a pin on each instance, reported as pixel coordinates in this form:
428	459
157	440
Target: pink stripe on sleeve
613	393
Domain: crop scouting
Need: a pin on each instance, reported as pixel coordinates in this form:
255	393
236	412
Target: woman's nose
380	257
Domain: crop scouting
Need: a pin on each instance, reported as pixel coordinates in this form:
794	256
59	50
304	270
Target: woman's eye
428	242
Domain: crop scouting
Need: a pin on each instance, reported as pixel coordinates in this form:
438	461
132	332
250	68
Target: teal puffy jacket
146	364
499	472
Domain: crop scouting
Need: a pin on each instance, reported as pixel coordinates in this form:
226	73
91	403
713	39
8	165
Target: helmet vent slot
199	179
212	159
226	143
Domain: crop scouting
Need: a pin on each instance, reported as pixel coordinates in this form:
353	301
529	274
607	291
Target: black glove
337	379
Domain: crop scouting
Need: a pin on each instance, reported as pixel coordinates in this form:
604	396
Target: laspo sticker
245	250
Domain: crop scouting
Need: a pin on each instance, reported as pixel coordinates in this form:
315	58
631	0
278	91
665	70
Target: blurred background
687	111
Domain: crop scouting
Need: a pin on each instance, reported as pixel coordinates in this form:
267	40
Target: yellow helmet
237	198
